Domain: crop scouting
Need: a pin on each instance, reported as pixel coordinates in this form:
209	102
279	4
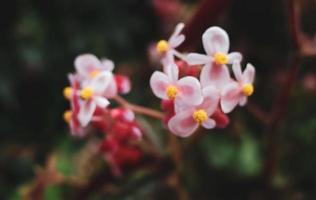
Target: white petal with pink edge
215	40
101	82
234	57
230	97
159	83
209	123
190	90
249	74
198	59
215	75
86	63
182	124
86	113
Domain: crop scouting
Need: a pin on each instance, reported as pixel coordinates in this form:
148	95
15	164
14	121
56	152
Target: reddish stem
139	109
273	133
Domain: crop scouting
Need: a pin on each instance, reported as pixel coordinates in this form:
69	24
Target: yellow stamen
86	93
94	73
67	116
247	89
200	116
162	46
67	92
220	58
172	92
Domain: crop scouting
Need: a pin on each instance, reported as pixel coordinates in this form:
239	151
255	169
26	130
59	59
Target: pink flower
237	92
89	66
188	118
216	44
92	93
167	86
71	116
167	48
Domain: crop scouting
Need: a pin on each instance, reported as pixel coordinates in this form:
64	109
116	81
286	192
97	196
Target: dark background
40	39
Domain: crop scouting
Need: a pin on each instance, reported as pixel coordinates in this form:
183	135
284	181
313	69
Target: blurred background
266	152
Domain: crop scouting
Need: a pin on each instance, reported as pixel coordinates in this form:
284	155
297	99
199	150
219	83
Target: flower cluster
190	102
90	91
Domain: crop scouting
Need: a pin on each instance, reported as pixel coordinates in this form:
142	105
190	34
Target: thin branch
139	109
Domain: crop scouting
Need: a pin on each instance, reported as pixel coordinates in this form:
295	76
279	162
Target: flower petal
211	100
86	113
159	83
101	101
234	57
249	74
172	71
86	63
230	97
190	90
101	82
243	100
176	39
179	105
197	59
237	71
107	64
209	123
215	39
111	90
182	124
215	75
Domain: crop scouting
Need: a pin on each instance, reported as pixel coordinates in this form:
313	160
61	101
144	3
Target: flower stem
139	109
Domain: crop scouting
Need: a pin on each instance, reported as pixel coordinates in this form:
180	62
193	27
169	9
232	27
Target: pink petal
180	106
209	123
182	124
86	113
249	74
86	63
211	100
237	71
172	71
243	100
101	82
159	83
234	57
215	39
190	90
101	101
176	39
197	59
230	97
215	75
111	90
107	64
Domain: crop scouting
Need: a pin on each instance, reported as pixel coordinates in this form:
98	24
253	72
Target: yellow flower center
67	92
220	58
67	116
86	93
200	116
172	92
247	89
94	73
162	46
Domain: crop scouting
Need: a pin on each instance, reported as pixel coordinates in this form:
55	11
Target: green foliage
241	156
